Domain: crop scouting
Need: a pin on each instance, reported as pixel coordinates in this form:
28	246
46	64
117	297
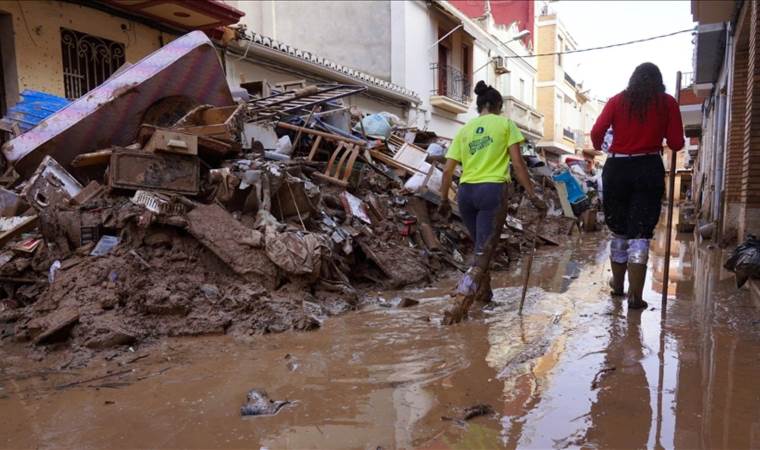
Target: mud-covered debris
407	302
235	244
54	327
295	252
258	403
107	332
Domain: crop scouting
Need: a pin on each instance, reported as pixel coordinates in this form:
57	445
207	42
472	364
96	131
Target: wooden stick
327	136
528	266
87	380
306	126
671	196
529	263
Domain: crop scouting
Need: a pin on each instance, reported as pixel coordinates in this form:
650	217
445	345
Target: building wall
36	30
353	33
545	105
255	69
750	172
547	37
505	12
546	67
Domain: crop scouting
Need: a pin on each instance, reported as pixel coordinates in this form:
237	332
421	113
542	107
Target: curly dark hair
489	98
644	87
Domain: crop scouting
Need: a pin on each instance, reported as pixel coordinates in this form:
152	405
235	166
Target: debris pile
260	215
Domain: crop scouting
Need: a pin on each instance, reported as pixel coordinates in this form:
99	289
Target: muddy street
577	369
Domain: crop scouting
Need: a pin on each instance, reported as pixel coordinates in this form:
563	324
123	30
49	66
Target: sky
597	23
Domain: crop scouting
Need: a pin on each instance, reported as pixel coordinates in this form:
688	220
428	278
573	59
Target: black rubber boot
637	273
617	282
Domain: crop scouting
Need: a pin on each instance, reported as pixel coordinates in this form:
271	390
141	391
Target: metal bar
671	196
446	35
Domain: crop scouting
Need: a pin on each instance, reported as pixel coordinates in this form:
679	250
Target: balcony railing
525	116
451	82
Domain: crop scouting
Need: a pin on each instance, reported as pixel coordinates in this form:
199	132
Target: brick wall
735	147
750	162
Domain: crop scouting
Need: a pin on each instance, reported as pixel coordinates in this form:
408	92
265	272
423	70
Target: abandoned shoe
618	278
636	276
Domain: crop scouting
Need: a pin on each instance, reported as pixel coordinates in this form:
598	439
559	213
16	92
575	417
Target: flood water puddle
577	369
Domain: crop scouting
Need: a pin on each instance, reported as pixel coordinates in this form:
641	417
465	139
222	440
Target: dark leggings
633	190
478	204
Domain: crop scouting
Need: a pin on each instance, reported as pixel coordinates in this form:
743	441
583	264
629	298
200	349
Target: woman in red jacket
634	177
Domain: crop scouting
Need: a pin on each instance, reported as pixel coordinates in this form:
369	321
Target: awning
182	14
709	48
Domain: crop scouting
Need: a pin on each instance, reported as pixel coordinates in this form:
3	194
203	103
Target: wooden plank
98	158
314	148
327	136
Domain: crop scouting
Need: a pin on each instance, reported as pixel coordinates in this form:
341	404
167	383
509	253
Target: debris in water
259	404
471	412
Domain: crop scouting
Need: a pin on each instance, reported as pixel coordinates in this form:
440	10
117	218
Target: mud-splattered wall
36	30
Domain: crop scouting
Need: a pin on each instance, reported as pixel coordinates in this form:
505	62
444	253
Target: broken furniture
341	162
163	172
302	99
172	142
221	123
50	184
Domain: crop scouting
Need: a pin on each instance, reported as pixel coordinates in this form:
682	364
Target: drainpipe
720	173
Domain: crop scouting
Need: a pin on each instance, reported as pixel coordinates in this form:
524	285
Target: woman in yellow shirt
484	148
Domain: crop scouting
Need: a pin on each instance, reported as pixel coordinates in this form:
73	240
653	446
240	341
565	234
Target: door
443	64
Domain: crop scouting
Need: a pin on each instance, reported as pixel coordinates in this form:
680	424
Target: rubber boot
636	275
617	282
485	294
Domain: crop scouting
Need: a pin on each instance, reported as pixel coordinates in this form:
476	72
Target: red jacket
630	135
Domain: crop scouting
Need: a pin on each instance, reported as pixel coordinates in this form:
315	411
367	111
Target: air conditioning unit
500	65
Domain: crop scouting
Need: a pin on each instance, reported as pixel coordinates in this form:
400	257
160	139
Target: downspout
720	173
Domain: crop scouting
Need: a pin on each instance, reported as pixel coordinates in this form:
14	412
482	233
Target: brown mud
578	369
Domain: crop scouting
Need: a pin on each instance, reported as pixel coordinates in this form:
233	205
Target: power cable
604	46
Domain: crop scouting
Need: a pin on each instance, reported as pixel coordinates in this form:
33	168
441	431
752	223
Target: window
522	90
453	69
505	80
560	49
88	61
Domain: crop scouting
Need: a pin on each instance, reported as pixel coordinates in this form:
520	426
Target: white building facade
419	59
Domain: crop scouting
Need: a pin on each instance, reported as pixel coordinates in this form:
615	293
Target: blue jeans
478	204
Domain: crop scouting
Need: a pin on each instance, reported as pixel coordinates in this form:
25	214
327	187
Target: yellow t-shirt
481	147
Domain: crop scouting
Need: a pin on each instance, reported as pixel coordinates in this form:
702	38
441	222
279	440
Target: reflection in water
384	377
623	388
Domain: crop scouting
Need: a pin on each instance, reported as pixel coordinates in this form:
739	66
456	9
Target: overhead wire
636	41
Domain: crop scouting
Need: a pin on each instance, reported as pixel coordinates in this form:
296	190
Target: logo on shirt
479	144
